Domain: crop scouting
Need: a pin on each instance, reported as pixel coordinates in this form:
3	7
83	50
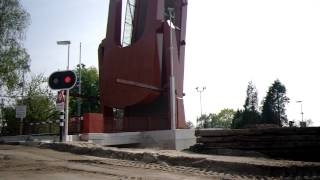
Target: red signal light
62	80
67	79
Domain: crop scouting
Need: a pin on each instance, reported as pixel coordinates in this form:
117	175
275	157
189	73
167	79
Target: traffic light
62	80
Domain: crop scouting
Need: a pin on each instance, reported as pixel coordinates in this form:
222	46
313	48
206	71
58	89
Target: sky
228	44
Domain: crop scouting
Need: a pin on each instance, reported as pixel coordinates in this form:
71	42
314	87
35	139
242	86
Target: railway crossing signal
62	80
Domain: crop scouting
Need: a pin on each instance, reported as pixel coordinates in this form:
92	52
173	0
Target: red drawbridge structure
141	66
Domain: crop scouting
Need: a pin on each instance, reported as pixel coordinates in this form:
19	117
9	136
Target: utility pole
2	123
22	96
172	78
79	97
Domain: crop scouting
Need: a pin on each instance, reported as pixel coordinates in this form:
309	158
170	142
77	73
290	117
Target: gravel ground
96	162
222	165
30	163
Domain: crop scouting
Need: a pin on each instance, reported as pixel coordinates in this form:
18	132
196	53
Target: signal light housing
62	80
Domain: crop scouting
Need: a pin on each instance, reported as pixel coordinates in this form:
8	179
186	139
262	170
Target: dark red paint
136	78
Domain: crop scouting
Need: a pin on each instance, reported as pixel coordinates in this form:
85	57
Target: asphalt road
32	163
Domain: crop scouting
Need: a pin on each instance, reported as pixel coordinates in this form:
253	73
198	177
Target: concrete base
109	139
178	139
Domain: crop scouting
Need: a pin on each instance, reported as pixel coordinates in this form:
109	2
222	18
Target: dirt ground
31	163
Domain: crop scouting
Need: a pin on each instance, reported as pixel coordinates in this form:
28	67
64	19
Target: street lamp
67	93
200	90
66	43
301	111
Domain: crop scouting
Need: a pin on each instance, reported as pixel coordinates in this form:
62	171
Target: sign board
60	106
60	101
60	97
21	111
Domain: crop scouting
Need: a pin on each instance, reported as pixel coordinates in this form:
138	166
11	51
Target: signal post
62	80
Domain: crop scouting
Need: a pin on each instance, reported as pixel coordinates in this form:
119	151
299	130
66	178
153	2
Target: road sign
60	106
60	97
21	111
60	101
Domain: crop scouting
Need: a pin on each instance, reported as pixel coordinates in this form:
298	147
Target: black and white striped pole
61	125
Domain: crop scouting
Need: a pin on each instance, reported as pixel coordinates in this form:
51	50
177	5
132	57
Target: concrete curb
232	165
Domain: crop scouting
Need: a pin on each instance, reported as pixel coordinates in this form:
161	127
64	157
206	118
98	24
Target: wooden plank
264	145
258	132
243	138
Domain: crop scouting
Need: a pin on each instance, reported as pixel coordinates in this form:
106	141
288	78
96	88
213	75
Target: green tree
224	118
9	114
14	60
40	104
237	121
273	109
204	121
89	92
251	103
221	120
250	115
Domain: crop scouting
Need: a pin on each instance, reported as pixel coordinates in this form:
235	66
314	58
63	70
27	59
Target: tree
309	122
214	121
251	103
204	121
296	123
237	121
273	109
189	125
221	120
250	115
12	124
89	92
14	60
224	118
40	104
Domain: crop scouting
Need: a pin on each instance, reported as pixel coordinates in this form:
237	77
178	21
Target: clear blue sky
75	20
229	43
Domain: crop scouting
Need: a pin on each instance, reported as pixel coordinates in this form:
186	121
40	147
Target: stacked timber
295	143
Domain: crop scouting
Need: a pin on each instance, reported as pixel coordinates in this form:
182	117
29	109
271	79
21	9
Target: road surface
32	163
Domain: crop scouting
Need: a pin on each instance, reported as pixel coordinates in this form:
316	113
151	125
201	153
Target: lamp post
200	90
67	93
301	110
